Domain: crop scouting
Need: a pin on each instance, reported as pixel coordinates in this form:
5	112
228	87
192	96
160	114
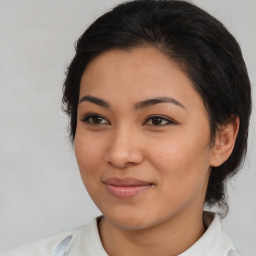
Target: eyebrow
137	106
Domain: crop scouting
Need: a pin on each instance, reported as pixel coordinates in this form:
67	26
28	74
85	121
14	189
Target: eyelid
85	119
169	120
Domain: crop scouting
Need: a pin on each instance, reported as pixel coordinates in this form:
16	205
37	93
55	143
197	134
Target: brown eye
159	121
94	119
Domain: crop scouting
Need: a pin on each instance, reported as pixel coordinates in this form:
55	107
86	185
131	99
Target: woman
159	103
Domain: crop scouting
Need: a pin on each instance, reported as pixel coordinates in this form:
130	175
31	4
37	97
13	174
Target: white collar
214	241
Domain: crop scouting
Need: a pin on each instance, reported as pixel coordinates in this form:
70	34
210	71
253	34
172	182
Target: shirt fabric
85	241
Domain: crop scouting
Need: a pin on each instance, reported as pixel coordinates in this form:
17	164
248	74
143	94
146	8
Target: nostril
120	165
122	160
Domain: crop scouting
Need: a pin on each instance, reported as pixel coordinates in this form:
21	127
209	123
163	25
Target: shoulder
234	252
84	240
44	247
226	242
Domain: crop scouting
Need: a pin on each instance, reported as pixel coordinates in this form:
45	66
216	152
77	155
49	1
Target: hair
204	49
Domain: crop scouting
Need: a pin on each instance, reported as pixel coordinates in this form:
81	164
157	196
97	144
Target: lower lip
126	192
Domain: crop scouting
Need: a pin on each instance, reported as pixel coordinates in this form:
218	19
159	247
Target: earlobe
225	139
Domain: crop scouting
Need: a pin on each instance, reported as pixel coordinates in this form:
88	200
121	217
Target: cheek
183	164
88	154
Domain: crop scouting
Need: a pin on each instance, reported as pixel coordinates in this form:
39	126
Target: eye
94	119
160	121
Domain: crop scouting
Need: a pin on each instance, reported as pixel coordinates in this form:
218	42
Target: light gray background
40	188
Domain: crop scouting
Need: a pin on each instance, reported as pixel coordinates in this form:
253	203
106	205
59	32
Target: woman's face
143	138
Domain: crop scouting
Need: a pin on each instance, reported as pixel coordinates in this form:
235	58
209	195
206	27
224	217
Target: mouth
126	188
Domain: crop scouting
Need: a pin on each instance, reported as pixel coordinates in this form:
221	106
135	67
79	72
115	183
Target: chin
127	220
129	223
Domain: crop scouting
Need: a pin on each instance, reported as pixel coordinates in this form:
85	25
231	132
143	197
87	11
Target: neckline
88	242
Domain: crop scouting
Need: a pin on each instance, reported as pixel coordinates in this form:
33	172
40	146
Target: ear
225	139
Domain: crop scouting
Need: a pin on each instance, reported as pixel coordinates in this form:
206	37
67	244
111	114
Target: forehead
137	74
138	62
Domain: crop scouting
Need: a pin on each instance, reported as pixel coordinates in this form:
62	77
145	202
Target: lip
126	188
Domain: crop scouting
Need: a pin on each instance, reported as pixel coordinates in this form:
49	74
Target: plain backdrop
40	188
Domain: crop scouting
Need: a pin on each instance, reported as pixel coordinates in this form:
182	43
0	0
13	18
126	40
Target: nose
124	149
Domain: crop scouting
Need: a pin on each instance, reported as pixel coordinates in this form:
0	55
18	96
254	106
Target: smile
126	188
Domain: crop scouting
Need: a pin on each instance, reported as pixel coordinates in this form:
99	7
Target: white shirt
85	241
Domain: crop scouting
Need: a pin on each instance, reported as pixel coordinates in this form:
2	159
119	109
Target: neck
170	238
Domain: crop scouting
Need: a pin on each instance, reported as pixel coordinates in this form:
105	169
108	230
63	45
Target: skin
175	155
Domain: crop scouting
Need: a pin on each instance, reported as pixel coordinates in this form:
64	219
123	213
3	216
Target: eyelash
170	122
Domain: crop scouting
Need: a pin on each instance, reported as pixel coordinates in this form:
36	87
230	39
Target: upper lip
126	182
